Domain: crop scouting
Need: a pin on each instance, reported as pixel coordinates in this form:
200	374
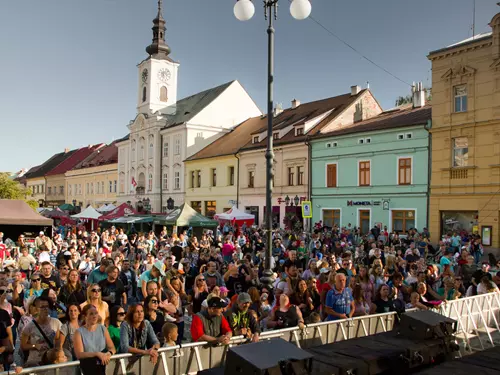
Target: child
54	356
415	302
170	333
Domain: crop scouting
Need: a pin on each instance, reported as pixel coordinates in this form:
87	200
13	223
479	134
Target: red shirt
197	327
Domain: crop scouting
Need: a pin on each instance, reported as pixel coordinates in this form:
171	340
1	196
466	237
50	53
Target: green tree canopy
10	189
404	100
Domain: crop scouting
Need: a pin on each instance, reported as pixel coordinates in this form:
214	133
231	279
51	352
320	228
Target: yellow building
465	179
94	181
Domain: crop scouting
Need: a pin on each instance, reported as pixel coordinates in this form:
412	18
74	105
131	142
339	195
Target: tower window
144	94
163	94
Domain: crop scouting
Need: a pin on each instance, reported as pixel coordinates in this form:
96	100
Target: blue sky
69	67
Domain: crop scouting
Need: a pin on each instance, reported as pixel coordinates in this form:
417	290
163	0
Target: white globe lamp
244	10
300	9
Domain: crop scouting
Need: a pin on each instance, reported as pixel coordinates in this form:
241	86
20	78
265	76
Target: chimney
295	103
418	95
355	90
278	109
66	150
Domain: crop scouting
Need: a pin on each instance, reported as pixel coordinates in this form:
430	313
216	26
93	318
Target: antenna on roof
368	85
474	19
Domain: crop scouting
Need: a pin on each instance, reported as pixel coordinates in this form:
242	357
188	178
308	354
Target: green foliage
10	189
404	100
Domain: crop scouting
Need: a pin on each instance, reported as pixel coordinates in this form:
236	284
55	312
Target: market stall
122	210
184	218
236	217
89	216
16	218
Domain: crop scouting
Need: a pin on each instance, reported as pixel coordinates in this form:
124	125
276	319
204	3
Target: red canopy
122	210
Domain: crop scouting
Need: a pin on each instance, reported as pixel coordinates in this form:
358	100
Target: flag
133	184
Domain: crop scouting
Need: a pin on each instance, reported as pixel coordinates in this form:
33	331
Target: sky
68	67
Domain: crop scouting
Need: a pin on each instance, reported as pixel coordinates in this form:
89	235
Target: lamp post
296	200
243	11
287	200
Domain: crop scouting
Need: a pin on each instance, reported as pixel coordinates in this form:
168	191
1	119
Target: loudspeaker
424	325
268	357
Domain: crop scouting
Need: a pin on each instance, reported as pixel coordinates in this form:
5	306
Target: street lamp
243	11
296	200
287	200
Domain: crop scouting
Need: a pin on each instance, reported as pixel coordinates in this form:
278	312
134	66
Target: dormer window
256	139
368	140
361	141
401	137
299	131
276	136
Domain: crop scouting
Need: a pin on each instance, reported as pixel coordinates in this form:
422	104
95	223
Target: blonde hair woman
94	298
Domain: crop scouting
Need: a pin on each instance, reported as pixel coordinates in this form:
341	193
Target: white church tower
157	75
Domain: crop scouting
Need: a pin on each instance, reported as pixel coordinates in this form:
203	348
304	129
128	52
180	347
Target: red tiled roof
73	160
103	156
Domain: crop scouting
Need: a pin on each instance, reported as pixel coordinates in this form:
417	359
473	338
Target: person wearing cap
112	288
99	273
210	325
241	320
154	273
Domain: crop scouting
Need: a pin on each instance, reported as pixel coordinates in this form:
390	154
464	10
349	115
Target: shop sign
364	203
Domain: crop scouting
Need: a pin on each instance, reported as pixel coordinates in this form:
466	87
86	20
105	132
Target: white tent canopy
106	207
89	213
234	214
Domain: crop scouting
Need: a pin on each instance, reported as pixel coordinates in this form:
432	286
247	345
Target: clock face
164	75
145	75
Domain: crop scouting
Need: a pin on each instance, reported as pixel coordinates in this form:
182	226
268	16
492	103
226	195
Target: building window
231	176
300	175
276	136
110	186
163	94
214	176
331	218
460	152
409	135
401	137
368	140
165	181
102	188
122	182
87	188
256	139
133	150
69	190
460	93
192	179
198	178
331	175
361	141
291	175
177	180
210	209
142	150
114	186
364	173
404	171
165	150
196	205
75	189
49	190
151	146
364	221
177	146
299	131
61	190
150	182
403	221
251	179
144	94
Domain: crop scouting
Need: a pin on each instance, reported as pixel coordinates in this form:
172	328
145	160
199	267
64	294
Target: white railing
477	325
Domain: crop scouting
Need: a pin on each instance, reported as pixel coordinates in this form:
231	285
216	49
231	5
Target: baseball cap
159	266
244	298
41	233
223	289
325	270
216	302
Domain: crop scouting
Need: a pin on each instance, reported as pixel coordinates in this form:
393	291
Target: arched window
150	182
144	94
163	94
151	145
142	150
133	150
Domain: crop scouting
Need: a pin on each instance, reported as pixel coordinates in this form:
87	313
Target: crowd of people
82	295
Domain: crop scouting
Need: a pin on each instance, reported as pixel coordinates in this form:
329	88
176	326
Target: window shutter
331	178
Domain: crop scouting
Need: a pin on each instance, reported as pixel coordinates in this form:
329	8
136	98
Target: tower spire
159	48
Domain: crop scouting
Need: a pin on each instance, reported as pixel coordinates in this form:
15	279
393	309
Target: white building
166	131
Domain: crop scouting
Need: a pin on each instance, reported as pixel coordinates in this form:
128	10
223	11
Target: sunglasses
201	279
3	291
154	301
121	314
96	290
65	268
35	280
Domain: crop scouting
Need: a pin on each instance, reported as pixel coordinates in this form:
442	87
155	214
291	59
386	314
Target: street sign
306	210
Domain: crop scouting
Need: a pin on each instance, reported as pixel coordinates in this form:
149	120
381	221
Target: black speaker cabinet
423	325
267	357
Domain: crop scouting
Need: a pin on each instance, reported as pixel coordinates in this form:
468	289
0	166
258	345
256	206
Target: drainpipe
309	180
237	176
161	173
429	170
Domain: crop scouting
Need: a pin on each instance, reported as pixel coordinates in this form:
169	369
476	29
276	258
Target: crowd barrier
477	325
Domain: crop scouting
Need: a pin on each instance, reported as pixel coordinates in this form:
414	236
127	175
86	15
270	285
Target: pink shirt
227	249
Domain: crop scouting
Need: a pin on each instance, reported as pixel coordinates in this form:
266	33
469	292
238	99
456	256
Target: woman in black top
285	315
154	316
198	294
383	301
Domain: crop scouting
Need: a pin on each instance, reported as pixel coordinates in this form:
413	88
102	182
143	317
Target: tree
10	189
404	100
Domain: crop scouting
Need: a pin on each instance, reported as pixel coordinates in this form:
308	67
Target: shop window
403	220
254	210
404	171
331	175
331	218
460	152
210	209
196	205
364	221
458	221
364	173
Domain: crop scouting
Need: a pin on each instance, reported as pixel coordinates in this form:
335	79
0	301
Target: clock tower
158	73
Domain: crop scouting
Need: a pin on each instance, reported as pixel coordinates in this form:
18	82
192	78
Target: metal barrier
477	321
